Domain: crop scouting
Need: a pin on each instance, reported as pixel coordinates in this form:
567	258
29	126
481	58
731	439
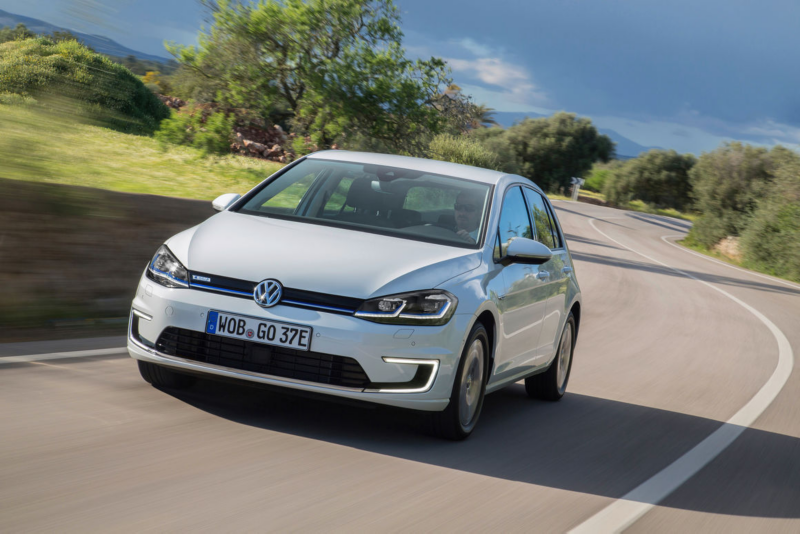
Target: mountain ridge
100	43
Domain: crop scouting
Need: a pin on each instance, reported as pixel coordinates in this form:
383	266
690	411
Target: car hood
317	258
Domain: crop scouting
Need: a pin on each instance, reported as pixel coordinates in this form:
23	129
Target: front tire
458	420
162	377
552	384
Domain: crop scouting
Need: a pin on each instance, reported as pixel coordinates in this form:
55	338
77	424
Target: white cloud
514	82
475	47
779	133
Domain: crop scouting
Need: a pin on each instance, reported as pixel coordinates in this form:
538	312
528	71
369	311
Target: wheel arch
489	321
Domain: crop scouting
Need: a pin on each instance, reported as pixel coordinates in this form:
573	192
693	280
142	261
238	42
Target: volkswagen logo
268	293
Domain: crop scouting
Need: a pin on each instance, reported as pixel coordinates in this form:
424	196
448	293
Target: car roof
416	164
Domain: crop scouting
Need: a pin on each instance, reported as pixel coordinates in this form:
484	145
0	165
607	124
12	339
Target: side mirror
524	250
222	202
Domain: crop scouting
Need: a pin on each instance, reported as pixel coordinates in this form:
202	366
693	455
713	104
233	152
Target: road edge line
626	510
5	360
742	269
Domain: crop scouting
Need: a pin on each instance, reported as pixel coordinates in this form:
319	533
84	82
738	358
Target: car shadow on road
675	225
659	269
572	238
583	443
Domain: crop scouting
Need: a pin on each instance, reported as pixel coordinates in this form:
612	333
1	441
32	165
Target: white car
402	281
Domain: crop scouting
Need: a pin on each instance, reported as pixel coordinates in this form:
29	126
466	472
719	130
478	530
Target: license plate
258	330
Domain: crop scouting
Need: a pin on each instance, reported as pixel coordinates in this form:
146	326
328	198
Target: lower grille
264	359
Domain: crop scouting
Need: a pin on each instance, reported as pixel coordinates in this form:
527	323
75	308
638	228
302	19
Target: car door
522	306
553	273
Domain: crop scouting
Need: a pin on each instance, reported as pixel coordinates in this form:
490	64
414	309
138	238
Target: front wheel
160	376
458	420
552	384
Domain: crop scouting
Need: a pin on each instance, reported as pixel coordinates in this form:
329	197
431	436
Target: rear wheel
458	420
162	377
552	384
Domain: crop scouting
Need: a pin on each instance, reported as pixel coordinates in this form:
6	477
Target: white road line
764	276
62	355
630	507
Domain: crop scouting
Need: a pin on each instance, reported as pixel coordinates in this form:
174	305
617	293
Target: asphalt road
663	360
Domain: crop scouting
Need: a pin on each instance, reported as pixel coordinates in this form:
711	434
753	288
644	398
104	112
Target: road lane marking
61	355
764	276
625	511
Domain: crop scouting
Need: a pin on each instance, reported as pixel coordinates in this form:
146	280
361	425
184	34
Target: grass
638	205
46	146
690	243
635	205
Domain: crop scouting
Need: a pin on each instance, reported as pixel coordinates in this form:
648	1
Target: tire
552	384
162	377
458	420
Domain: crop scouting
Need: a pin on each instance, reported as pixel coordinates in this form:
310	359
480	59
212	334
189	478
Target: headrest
362	196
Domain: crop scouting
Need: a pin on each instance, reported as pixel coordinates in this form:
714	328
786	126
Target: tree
771	240
335	68
727	184
551	150
658	177
484	117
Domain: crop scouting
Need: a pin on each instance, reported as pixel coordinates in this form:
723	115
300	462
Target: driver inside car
468	216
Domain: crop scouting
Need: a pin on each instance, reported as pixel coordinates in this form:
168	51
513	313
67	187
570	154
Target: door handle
541	275
567	270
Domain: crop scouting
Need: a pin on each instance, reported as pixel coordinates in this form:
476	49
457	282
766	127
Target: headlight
167	270
432	308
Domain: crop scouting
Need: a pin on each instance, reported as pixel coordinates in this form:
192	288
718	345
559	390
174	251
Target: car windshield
380	199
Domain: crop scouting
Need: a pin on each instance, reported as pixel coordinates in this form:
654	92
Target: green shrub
67	70
659	178
13	99
599	175
462	149
210	132
726	185
771	240
496	140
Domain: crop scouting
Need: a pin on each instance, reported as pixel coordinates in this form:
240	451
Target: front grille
264	359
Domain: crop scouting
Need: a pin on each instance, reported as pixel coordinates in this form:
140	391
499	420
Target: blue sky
679	74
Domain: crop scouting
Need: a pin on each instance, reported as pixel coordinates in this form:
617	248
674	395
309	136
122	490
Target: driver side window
514	220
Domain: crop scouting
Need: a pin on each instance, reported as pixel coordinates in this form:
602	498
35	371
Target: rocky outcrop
172	102
729	247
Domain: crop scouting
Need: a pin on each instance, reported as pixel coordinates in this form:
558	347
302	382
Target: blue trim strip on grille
320	306
212	288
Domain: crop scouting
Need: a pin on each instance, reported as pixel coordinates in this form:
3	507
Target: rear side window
514	221
546	232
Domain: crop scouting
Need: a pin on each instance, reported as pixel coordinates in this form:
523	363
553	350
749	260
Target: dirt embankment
70	257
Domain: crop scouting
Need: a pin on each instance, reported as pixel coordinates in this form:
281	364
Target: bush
599	175
43	69
771	240
463	149
13	99
496	140
659	178
212	132
726	185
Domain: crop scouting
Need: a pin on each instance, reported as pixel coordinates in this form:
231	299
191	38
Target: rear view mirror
222	202
523	250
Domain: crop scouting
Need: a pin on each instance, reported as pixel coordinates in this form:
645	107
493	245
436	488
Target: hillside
98	157
99	43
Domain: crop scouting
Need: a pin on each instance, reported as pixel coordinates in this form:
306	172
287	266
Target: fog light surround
422	381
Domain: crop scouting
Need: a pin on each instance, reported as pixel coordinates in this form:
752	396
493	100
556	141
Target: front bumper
371	344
